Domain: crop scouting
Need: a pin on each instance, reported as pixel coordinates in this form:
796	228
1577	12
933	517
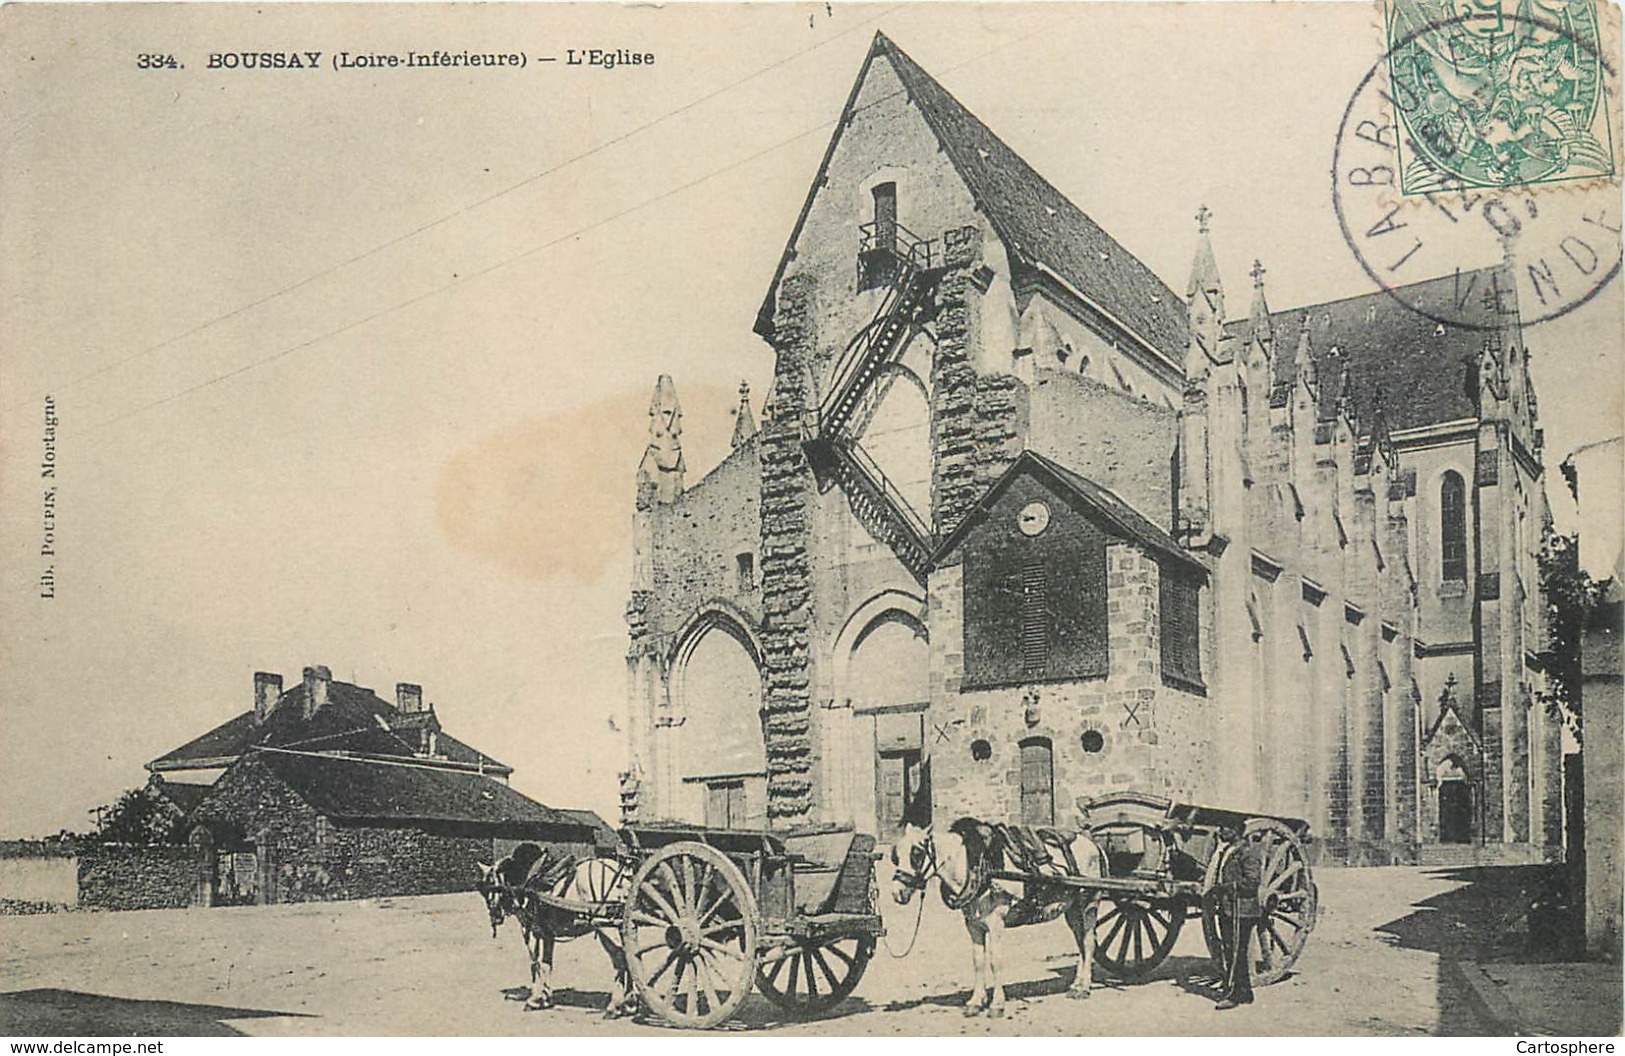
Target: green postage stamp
1500	93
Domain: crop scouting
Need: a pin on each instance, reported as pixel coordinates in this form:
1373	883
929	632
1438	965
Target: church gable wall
698	540
886	141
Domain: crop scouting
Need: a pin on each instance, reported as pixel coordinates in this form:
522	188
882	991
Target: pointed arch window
1453	528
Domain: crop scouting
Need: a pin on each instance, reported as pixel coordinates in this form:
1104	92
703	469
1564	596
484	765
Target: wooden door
897	782
1455	812
725	805
1037	783
885	195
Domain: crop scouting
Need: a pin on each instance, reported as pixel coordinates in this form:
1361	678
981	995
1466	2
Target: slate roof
1125	519
183	795
603	835
348	722
1418	371
1036	222
374	791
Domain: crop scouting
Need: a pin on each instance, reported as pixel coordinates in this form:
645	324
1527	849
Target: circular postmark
1475	173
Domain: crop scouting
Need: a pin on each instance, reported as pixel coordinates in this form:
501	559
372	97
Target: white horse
510	887
962	859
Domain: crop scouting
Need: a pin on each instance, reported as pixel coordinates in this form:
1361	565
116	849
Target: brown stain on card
552	496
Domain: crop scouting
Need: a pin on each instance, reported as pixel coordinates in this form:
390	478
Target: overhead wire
464	279
460	211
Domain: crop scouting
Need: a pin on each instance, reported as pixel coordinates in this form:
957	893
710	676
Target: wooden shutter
1178	600
1035	608
1074	554
993	608
725	804
1037	783
1035	618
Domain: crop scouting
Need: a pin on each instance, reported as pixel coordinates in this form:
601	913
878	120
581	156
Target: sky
352	366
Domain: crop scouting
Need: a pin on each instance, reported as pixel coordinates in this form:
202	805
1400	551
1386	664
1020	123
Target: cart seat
832	871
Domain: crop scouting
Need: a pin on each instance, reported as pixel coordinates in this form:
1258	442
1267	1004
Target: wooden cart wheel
1287	902
689	932
810	977
1133	935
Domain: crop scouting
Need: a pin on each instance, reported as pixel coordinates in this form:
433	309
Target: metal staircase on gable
908	303
912	271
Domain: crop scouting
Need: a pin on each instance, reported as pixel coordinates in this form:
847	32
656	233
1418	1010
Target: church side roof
1417	370
1037	223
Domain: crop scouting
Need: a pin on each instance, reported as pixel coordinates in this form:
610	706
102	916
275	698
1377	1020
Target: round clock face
1034	518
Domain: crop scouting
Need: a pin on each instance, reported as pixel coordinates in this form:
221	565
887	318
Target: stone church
1018	509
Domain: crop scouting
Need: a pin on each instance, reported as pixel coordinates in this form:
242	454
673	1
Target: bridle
916	878
504	904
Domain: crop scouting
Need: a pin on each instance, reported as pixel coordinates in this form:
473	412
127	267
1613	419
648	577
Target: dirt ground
1399	951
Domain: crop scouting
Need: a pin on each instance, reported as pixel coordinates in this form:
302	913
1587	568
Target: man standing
1240	874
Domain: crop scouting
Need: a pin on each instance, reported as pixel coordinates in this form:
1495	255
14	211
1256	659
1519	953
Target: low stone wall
366	862
37	872
118	877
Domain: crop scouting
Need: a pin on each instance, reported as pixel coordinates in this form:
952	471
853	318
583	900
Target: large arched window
720	749
896	435
1453	528
1037	782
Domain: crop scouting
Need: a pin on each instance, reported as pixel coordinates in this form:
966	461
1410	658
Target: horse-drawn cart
712	912
705	915
1164	861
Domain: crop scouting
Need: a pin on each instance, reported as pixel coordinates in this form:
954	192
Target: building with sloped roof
321	714
325	791
1019	510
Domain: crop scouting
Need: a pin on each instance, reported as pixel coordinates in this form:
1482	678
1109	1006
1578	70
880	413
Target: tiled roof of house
403	793
183	795
1036	222
604	836
354	719
1417	370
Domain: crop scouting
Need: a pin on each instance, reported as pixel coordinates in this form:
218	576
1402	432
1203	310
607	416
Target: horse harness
1033	851
923	866
520	900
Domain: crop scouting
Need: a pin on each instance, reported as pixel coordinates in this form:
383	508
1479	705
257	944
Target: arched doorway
888	682
718	750
1455	802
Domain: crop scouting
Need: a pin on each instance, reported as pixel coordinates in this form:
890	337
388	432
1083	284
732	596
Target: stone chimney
317	680
408	697
267	688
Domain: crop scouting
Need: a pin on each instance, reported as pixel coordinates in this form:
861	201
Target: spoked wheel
690	935
812	977
1134	935
1287	904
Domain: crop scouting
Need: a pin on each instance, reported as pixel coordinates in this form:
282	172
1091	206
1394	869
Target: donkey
962	859
509	888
